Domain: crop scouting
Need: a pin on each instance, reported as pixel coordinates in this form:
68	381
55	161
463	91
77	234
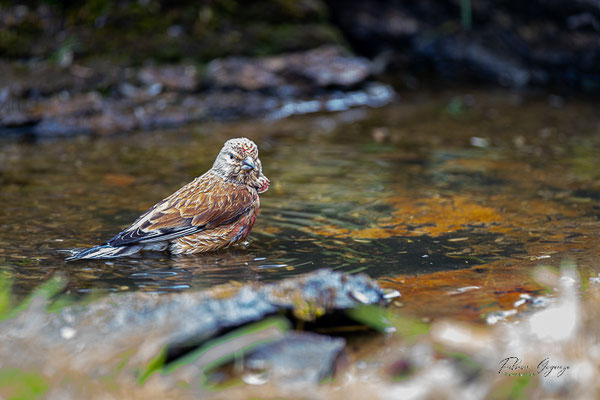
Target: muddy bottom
452	198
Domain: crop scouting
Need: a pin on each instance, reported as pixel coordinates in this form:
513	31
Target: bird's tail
102	252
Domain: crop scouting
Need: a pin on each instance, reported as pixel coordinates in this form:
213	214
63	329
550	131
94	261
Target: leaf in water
357	270
124	357
156	363
383	320
56	305
468	258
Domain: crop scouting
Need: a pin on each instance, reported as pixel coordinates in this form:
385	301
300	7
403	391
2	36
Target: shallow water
451	198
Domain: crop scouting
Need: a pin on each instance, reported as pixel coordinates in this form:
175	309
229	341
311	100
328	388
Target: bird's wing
205	203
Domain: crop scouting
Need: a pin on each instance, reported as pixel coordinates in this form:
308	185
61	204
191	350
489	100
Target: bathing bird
214	211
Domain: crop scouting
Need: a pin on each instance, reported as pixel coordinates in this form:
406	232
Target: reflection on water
417	187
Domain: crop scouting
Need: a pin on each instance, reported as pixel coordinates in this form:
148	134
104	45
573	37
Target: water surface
432	194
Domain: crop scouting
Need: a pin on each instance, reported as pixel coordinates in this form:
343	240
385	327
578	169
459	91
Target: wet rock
296	72
229	104
243	73
13	111
541	43
104	99
60	126
324	289
123	339
299	358
92	114
65	104
142	324
460	57
171	77
372	95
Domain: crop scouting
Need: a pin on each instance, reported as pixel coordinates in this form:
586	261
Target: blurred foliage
134	31
451	348
50	290
231	346
17	384
385	320
513	389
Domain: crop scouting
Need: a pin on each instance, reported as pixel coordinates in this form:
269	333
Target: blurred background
541	43
143	49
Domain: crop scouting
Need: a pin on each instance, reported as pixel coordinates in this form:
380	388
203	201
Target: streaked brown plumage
213	211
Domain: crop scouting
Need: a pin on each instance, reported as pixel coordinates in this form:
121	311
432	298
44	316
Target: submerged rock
93	339
299	358
308	297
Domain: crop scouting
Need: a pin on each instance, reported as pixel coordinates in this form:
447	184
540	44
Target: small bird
213	211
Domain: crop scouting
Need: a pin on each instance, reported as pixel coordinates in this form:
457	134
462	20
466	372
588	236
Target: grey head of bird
238	162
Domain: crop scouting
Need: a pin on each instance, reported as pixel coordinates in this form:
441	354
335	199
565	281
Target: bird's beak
248	164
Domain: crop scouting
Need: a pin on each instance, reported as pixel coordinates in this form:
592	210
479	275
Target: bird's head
238	162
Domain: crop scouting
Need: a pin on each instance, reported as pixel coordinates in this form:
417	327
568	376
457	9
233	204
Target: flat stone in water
299	358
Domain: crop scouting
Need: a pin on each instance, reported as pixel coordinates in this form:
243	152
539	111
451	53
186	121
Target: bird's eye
231	156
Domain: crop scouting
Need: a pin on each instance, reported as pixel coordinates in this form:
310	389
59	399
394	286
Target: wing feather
205	203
